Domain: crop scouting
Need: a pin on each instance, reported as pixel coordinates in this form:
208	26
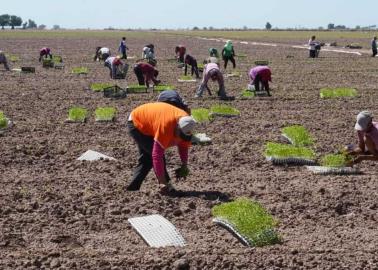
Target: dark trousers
145	144
231	58
312	53
124	56
194	69
139	74
109	66
374	52
265	84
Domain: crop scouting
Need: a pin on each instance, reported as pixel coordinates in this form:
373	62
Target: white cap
363	120
186	124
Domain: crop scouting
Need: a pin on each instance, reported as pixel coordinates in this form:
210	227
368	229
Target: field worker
180	51
114	64
260	74
172	97
146	73
314	47
4	60
102	53
190	60
46	52
228	53
374	46
149	54
367	133
211	71
123	48
155	127
213	52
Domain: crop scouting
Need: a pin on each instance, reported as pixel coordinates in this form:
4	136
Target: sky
173	14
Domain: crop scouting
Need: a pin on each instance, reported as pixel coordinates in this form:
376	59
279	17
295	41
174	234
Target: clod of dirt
177	212
181	264
192	205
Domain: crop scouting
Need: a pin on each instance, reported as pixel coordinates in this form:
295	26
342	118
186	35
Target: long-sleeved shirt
180	50
312	44
159	120
44	51
212	71
105	50
113	63
372	134
148	72
263	71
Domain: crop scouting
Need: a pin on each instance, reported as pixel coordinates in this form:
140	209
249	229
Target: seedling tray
99	87
160	88
224	111
28	69
333	170
291	161
59	66
115	92
137	89
47	63
9	124
105	114
77	115
261	62
80	70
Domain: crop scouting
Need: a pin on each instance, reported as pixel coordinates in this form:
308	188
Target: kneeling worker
367	133
155	127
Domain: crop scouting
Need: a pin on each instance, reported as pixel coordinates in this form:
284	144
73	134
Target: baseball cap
186	124
363	120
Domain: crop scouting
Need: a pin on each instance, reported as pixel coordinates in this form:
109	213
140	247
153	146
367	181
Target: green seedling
182	172
162	87
278	150
3	120
251	220
186	78
201	115
105	114
135	88
99	87
77	114
246	94
47	62
57	59
12	58
80	70
225	110
339	160
337	92
298	135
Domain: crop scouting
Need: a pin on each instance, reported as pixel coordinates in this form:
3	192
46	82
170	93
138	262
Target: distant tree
4	20
245	28
41	27
31	24
268	26
15	21
340	27
211	28
331	26
56	27
195	28
24	25
204	28
357	27
320	28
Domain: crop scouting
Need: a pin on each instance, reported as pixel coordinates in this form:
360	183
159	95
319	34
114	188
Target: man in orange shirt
156	127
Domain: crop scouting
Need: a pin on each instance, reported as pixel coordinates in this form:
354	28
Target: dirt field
57	212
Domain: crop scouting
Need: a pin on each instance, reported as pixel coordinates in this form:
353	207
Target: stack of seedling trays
334	164
28	69
115	92
248	221
47	63
296	153
58	62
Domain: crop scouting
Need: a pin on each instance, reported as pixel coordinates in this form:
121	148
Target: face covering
185	137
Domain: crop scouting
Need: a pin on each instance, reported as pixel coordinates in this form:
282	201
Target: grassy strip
337	92
251	220
80	70
3	120
278	150
105	113
77	114
201	115
298	135
99	87
332	160
224	110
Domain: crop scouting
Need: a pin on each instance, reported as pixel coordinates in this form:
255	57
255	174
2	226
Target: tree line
16	21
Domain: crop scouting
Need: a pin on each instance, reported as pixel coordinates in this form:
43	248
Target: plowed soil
57	212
